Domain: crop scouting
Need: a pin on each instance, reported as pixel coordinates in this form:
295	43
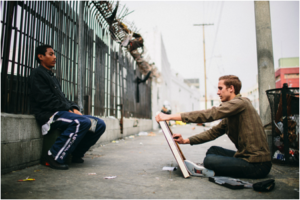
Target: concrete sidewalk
137	164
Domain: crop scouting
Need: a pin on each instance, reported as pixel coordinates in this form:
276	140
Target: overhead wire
213	16
212	7
214	85
217	30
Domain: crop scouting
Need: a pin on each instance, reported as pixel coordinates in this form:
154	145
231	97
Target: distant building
184	97
192	82
212	100
288	72
170	87
253	95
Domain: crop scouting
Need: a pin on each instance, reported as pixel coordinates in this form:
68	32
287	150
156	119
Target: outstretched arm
163	117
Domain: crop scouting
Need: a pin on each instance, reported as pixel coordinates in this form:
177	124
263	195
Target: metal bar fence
108	73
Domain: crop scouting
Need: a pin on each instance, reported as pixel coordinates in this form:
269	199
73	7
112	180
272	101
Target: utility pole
204	60
265	60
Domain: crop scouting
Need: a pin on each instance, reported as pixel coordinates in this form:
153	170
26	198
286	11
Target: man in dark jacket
53	110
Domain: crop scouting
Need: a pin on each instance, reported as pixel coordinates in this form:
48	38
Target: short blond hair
232	80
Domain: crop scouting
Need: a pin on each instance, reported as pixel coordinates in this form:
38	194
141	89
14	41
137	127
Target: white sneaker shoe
196	170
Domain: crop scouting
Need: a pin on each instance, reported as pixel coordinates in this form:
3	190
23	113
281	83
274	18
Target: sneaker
53	164
196	170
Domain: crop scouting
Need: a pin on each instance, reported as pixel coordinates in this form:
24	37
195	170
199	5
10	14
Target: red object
47	164
198	171
285	75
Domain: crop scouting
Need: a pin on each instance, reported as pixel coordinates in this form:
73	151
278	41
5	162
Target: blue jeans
224	164
76	139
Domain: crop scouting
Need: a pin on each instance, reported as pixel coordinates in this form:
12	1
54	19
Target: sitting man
243	126
53	110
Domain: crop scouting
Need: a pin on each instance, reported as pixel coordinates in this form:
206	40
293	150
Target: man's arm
41	92
74	107
203	137
210	134
225	110
164	117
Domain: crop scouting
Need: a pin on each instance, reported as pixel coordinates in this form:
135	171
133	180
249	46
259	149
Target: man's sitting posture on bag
53	110
243	126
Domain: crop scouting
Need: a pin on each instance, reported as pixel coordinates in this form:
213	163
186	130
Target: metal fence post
285	122
80	54
6	52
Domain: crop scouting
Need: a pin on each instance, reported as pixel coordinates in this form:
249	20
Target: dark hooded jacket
46	96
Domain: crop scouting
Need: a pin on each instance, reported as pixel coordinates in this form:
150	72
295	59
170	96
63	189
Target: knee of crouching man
86	122
208	162
102	124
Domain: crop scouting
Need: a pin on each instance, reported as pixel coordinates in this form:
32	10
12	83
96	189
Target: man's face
49	59
225	93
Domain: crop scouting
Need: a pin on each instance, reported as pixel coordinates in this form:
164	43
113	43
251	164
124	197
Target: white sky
230	43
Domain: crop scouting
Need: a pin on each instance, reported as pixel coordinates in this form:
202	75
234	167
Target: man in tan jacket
241	123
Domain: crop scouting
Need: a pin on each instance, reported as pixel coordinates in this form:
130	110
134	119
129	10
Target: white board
179	157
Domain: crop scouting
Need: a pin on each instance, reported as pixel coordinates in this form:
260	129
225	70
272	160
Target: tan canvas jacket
240	122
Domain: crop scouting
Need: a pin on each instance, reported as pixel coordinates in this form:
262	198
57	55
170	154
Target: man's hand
162	117
75	112
178	138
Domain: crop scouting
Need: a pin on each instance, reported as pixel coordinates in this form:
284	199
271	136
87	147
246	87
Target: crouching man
53	110
243	126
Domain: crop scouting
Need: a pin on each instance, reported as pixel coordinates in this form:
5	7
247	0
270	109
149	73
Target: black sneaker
77	160
55	165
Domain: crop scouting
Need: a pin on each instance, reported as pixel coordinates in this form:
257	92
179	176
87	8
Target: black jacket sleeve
48	96
73	104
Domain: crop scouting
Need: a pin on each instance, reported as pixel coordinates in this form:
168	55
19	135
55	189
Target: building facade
184	97
253	95
212	101
170	87
288	72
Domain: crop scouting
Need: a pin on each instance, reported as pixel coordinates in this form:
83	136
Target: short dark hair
41	50
232	80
